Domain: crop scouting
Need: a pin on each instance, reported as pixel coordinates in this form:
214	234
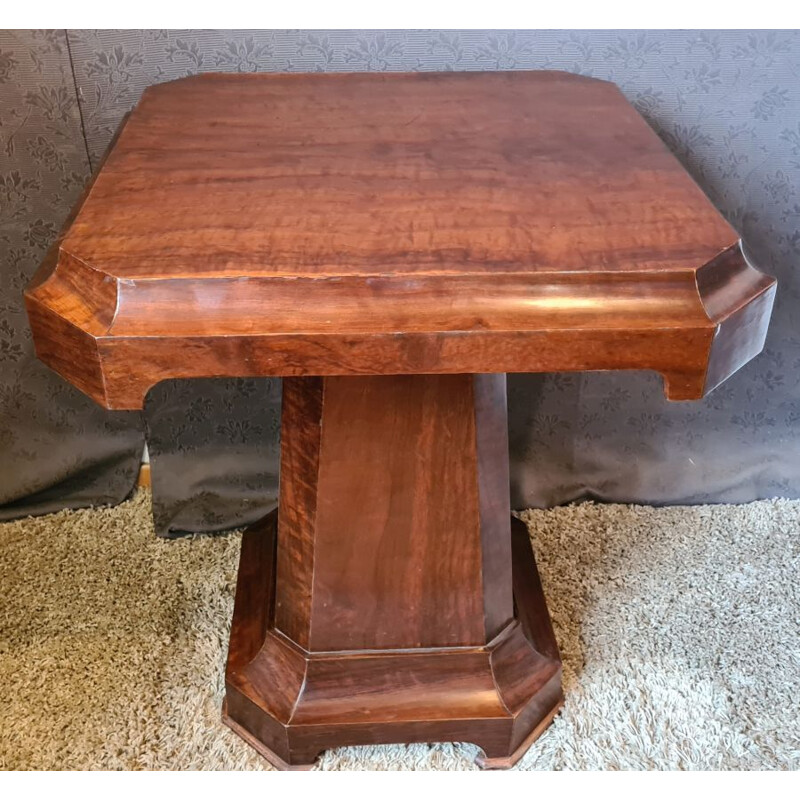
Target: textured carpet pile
679	628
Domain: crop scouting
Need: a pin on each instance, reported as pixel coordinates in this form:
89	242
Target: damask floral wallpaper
726	102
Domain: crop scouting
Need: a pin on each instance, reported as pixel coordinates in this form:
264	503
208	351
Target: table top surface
375	174
372	223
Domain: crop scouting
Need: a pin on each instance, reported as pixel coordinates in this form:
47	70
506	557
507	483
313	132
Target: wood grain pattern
446	172
494	502
301	416
389	613
358	224
358	474
407	439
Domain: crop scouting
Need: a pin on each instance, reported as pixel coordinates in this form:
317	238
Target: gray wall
726	102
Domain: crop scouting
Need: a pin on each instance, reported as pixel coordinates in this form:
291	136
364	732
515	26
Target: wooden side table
392	244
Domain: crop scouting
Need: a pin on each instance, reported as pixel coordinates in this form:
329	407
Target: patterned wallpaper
728	105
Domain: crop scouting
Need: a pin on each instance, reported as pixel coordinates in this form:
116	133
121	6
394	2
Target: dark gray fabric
57	448
726	102
214	452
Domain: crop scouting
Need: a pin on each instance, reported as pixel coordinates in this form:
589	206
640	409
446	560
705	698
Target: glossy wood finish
392	245
361	458
248	225
378	607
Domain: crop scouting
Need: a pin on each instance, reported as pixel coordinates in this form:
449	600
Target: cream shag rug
679	628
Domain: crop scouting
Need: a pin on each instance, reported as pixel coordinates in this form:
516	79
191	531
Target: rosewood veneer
392	245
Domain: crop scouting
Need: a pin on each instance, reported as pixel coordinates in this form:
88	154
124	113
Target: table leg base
291	704
506	762
270	756
481	760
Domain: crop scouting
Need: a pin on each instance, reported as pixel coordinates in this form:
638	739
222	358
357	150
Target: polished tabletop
431	173
287	224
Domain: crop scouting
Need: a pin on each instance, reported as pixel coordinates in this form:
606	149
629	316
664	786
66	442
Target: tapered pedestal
376	605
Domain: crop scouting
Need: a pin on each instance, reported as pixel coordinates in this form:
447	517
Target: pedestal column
377	606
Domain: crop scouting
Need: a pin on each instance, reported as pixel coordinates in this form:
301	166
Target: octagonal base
290	704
